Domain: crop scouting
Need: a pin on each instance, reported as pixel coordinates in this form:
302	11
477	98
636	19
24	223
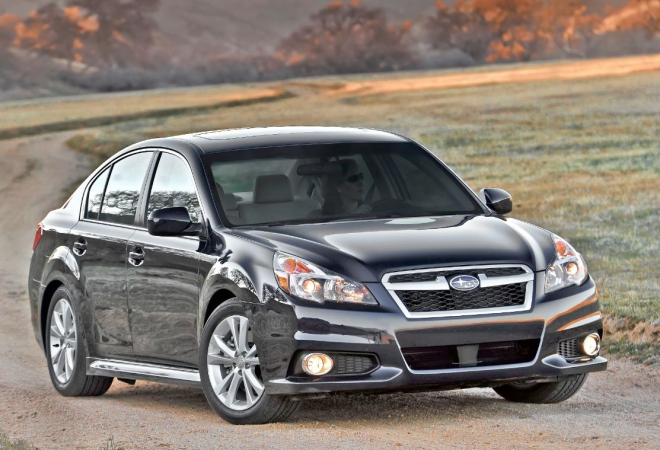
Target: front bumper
284	328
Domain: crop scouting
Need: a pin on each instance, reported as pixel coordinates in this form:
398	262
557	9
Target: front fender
229	278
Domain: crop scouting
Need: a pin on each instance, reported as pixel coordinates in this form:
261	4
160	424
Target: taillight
37	237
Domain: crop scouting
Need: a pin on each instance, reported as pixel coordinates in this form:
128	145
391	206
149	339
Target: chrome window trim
107	165
441	283
112	224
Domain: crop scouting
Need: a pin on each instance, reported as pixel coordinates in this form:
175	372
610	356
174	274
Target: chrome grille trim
441	283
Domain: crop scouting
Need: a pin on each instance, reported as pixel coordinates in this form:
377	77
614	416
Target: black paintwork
498	200
145	297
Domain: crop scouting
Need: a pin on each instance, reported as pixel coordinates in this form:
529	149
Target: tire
236	405
541	392
70	378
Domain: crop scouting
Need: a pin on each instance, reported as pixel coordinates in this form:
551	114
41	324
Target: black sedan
266	265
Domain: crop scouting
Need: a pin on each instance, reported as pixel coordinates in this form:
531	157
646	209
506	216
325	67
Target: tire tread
555	392
95	386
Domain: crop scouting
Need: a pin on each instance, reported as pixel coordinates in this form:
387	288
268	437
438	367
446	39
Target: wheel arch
46	298
223	282
217	298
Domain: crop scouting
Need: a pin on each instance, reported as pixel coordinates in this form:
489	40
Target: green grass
9	444
581	158
112	445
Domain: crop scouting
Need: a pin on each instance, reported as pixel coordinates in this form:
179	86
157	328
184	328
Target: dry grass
581	158
520	74
39	116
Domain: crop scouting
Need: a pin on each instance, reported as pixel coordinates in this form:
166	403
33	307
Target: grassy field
46	115
580	156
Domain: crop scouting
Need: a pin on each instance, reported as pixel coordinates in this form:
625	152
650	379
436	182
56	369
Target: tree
636	15
54	32
566	25
8	24
520	30
99	32
125	30
513	24
346	39
459	27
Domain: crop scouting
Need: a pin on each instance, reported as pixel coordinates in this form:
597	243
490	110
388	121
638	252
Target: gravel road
616	409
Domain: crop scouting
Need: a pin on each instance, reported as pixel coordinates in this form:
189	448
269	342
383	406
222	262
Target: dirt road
616	409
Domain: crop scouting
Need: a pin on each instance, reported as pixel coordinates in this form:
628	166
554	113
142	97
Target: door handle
136	256
80	247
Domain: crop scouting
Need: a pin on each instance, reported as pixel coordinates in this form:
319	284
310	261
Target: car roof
244	138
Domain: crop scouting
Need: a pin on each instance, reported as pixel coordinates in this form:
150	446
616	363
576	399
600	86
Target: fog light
317	364
591	344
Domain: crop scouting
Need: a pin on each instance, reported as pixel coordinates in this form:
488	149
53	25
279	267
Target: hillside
251	25
248	25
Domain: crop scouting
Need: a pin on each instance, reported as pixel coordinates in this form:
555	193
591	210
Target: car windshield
333	182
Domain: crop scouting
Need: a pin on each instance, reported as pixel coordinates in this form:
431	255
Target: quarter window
95	196
173	185
123	191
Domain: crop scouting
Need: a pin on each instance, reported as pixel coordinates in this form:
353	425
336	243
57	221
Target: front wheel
230	370
554	392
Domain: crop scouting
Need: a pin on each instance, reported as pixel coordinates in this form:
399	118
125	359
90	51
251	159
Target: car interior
297	193
340	186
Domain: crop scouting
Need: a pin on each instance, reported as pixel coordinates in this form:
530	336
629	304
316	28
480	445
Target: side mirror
172	222
498	200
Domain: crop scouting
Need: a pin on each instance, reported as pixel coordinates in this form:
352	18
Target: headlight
567	268
310	282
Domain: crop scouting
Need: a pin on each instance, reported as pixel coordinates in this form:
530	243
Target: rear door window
123	191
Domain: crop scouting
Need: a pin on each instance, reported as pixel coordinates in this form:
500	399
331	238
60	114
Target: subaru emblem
464	282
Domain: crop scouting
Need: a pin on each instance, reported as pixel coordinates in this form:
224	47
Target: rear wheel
554	392
231	372
65	351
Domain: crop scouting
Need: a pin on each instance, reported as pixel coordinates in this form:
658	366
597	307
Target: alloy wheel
233	364
63	341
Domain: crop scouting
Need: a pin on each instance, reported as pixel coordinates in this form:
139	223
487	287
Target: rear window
95	196
320	183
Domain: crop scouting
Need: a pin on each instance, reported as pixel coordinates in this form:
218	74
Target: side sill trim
143	371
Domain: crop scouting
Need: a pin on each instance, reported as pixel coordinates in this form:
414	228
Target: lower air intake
488	354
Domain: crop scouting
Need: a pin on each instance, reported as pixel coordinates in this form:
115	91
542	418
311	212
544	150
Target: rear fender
62	268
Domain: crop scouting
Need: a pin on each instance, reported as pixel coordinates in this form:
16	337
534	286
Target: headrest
229	202
272	189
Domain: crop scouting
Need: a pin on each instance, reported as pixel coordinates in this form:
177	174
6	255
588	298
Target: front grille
488	354
569	349
453	300
432	275
353	364
430	293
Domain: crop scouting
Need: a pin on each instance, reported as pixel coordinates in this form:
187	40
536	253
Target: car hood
365	250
